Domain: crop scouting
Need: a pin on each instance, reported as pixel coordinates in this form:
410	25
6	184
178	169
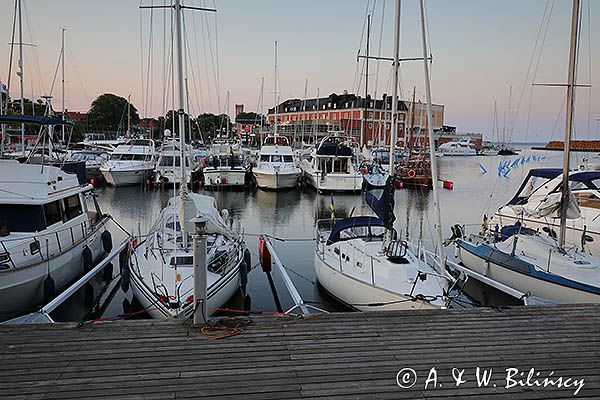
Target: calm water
291	215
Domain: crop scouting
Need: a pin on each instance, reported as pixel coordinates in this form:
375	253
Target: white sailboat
362	262
540	263
162	273
51	229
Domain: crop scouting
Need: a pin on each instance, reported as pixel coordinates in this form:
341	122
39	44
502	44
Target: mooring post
200	268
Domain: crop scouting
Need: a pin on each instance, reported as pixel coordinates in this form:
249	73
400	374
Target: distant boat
130	163
168	167
275	167
456	148
226	167
331	167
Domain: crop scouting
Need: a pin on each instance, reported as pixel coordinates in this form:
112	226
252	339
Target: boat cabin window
588	200
265	158
115	157
364	232
288	159
182	260
275	158
72	207
52	213
23	218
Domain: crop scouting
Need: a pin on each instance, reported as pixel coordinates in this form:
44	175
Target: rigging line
142	53
165	62
217	46
212	59
202	26
589	26
70	53
535	47
35	51
197	80
379	50
357	75
10	62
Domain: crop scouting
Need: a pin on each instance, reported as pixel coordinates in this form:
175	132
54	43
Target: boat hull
275	180
127	177
214	179
357	294
524	282
335	182
217	295
22	289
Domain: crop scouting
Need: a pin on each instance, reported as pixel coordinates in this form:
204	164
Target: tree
212	125
250	118
109	113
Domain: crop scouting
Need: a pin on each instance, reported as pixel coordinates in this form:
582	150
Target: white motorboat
93	161
331	168
168	166
130	163
51	231
456	148
276	168
225	168
162	273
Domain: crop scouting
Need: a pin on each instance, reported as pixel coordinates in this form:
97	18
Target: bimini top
34	119
333	146
352	222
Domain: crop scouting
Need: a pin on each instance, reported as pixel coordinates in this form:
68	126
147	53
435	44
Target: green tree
109	113
212	125
250	118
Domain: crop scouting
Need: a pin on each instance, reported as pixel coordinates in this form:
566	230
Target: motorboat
51	228
226	167
331	166
168	166
130	163
93	161
276	168
457	148
374	175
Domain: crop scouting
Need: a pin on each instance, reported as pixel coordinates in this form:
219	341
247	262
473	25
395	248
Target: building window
370	125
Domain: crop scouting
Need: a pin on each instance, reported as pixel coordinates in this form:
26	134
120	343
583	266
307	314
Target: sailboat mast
128	116
21	75
182	186
569	121
363	131
394	136
303	112
62	62
275	93
433	161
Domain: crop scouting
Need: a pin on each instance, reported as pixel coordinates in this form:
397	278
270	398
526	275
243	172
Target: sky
482	51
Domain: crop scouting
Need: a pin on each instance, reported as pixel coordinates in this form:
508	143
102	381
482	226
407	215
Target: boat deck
345	355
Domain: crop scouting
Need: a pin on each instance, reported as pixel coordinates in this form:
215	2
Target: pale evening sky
480	47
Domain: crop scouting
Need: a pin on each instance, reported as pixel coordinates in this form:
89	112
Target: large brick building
355	115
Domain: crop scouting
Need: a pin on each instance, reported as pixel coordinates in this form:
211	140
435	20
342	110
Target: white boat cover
548	206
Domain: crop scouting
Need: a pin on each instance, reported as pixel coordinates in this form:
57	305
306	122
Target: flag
332	208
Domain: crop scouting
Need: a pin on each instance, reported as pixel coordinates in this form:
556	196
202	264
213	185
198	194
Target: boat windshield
22	218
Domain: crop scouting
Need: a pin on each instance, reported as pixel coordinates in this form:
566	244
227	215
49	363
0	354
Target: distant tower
239	108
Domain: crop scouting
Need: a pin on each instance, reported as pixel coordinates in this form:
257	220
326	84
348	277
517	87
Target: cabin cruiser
226	168
168	166
51	232
331	167
276	168
456	148
361	261
130	163
162	272
93	160
536	201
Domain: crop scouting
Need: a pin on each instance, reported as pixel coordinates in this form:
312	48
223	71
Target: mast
128	116
62	61
569	121
20	73
303	111
275	93
433	161
363	131
227	115
396	67
261	107
182	186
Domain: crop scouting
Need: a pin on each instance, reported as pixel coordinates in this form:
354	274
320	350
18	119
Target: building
358	117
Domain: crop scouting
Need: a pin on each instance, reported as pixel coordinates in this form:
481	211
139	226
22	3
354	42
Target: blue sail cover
33	119
383	205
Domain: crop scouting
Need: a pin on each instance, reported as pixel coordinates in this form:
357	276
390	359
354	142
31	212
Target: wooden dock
345	355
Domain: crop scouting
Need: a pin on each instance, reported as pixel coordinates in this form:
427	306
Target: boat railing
34	243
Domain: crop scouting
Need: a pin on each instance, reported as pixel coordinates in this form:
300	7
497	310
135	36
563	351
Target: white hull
224	178
447	153
22	289
125	177
524	282
335	182
275	180
357	294
217	295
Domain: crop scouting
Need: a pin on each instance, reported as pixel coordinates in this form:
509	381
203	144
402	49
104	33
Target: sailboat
276	168
161	266
541	264
360	260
